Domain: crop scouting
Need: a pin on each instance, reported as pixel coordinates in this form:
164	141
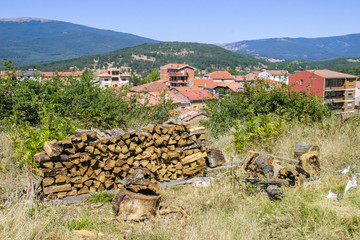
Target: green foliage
103	197
29	140
233	72
80	223
135	80
151	77
262	98
262	129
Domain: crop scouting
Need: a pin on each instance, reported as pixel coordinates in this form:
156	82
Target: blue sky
199	20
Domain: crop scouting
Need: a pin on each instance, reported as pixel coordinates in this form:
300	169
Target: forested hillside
142	59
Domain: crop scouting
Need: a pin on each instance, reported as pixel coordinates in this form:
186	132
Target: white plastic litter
351	183
345	170
331	194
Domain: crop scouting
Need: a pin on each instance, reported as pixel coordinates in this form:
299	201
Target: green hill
142	59
31	40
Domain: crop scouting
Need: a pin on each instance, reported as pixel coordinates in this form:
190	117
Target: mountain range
311	49
35	40
32	41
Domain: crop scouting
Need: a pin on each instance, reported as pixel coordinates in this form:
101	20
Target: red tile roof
220	75
247	77
145	98
201	82
331	74
234	86
62	74
175	66
195	95
272	72
151	87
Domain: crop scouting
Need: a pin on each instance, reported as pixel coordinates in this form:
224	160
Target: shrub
262	129
262	97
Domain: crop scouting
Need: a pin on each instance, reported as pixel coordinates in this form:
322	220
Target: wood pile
92	161
266	171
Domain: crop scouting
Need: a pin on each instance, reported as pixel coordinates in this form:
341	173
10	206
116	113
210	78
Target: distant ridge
31	41
25	19
312	49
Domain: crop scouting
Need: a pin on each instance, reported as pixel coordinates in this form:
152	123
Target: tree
135	80
151	77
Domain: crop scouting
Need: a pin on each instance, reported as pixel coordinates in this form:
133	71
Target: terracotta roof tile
220	75
325	73
151	87
195	95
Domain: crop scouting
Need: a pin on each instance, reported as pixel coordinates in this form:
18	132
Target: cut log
51	172
57	188
193	158
132	206
53	148
302	148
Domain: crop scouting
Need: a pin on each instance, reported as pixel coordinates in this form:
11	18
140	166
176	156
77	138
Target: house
195	97
222	89
177	75
31	73
250	78
337	89
113	78
221	76
217	88
276	75
156	86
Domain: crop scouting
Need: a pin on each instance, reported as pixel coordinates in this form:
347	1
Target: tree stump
135	206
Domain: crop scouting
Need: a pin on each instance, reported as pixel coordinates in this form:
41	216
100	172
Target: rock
215	158
274	192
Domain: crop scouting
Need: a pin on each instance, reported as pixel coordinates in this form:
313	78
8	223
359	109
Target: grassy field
228	209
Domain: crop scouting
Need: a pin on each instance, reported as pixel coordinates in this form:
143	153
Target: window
349	105
194	108
351	83
301	82
350	93
326	83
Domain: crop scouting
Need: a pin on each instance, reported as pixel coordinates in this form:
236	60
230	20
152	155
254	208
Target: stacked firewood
92	161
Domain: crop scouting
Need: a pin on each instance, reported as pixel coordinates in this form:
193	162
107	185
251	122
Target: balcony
178	74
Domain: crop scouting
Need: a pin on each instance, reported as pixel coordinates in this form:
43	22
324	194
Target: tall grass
228	209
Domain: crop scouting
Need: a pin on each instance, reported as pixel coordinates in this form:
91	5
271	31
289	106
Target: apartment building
113	78
337	89
177	75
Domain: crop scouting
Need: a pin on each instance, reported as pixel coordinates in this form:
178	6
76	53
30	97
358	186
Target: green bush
29	140
262	129
261	98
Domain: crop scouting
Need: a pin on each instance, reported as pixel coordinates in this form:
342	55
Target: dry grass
227	209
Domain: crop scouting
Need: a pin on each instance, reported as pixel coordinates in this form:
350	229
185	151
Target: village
189	92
